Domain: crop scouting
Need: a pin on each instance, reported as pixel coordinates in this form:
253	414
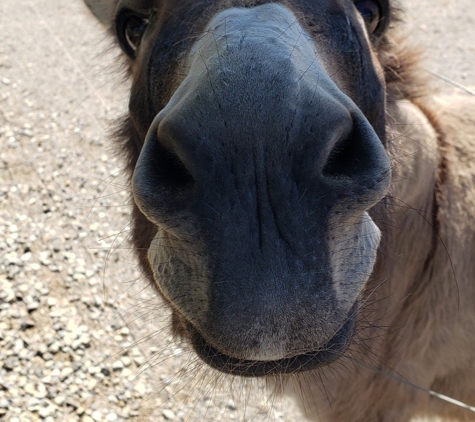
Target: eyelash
130	27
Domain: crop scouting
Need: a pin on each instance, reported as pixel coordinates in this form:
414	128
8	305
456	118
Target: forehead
184	18
187	5
335	25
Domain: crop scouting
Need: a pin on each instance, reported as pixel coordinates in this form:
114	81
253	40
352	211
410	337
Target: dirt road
76	325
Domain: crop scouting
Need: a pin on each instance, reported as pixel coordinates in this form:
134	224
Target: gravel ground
81	337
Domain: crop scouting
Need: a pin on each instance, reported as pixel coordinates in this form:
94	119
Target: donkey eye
371	12
134	29
130	30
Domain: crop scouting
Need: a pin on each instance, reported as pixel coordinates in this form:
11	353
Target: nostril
170	172
343	161
162	181
351	157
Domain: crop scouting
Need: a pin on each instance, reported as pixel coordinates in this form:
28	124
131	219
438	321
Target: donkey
301	203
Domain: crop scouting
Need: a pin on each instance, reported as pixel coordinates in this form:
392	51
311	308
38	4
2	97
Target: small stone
27	323
47	380
55	268
30	389
97	416
57	313
168	415
14	392
7	295
66	372
178	351
34	404
18	345
117	365
139	360
51	302
72	403
76	344
85	340
59	400
93	281
112	399
140	388
35	266
126	361
32	306
42	392
26	256
98	301
94	370
56	372
54	347
129	374
46	411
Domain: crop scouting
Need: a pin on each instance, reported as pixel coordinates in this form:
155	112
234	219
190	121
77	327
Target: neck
407	218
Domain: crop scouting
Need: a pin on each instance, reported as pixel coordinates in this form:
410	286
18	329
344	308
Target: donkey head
255	142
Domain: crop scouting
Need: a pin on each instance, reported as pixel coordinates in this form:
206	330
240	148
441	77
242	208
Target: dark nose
257	102
256	153
204	141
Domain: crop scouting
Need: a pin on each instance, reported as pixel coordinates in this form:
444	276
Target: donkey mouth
326	354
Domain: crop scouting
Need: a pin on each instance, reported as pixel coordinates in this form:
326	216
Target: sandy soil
64	223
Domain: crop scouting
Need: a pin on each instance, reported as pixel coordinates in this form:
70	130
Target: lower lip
330	352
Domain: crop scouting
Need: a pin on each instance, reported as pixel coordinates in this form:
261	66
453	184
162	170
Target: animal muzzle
259	174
